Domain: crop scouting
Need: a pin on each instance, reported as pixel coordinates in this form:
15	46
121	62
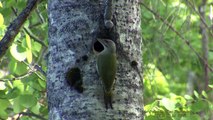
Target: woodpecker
106	68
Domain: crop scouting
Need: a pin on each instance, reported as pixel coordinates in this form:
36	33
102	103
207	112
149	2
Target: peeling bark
73	27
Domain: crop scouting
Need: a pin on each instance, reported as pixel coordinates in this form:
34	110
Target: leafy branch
179	35
15	26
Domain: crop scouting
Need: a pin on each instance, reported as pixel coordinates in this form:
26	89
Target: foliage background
22	76
168	62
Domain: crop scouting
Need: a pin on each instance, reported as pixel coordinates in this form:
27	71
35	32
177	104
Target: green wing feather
106	65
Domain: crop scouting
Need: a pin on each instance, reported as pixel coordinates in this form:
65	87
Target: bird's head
108	44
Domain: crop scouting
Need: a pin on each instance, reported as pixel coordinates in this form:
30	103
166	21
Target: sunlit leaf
18	84
2	85
29	56
188	97
168	104
179	99
211	86
2	74
37	46
20	56
196	94
1	19
204	94
1	4
28	41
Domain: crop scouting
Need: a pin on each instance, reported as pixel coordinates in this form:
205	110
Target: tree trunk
205	44
74	26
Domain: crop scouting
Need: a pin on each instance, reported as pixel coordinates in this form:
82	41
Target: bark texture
72	30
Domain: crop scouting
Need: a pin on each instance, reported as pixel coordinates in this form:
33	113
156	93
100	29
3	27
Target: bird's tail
108	99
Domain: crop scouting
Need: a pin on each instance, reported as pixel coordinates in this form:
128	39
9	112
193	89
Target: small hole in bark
74	79
134	63
77	61
85	58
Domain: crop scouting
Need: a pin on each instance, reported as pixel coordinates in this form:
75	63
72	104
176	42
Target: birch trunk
72	30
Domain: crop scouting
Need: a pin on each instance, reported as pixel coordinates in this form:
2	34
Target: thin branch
36	68
32	115
33	69
34	37
29	32
35	25
41	55
178	34
15	26
40	16
201	17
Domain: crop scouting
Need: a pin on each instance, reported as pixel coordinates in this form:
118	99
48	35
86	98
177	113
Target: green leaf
17	107
44	110
2	85
179	99
3	114
21	69
35	109
199	106
211	86
2	94
13	93
2	74
1	20
20	56
27	100
29	56
204	94
4	103
28	41
18	84
191	117
151	117
37	46
42	83
188	97
168	104
151	106
196	94
21	4
1	4
12	66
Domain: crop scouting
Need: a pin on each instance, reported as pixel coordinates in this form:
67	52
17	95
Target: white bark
72	24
